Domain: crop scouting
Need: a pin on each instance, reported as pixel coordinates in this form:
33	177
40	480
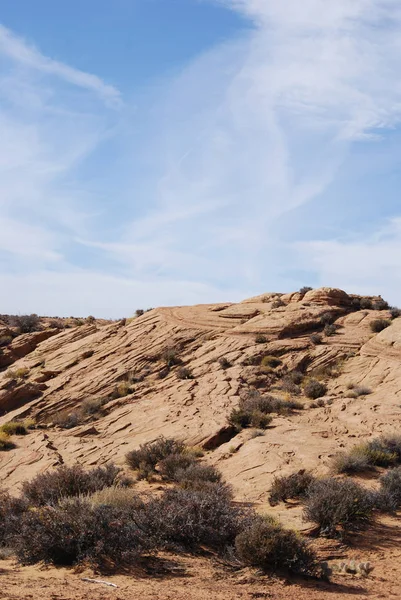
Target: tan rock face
126	364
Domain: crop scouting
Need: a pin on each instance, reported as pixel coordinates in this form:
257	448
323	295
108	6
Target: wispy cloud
19	51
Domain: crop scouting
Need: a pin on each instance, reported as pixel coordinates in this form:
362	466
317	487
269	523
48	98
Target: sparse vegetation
314	389
292	486
278	303
379	324
316	339
254	410
338	506
379	452
395	312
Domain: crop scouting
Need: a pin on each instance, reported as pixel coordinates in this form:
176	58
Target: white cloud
369	265
19	51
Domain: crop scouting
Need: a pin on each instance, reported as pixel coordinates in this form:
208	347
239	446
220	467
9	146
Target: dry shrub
395	312
195	475
314	389
270	547
379	324
224	363
260	339
329	329
67	419
338	506
92	406
184	373
117	496
379	452
391	487
292	486
11	510
171	467
254	410
26	323
145	459
186	519
316	339
103	536
50	487
305	289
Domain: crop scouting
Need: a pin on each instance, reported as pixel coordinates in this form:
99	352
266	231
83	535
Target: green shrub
49	487
5	442
268	546
338	506
271	361
314	389
292	486
379	324
395	312
14	428
260	339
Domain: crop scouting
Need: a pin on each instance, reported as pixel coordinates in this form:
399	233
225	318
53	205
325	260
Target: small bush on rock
314	389
379	324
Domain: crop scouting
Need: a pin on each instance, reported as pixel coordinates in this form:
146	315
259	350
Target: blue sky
158	152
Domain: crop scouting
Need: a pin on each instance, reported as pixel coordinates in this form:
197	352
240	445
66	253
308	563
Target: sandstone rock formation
130	365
